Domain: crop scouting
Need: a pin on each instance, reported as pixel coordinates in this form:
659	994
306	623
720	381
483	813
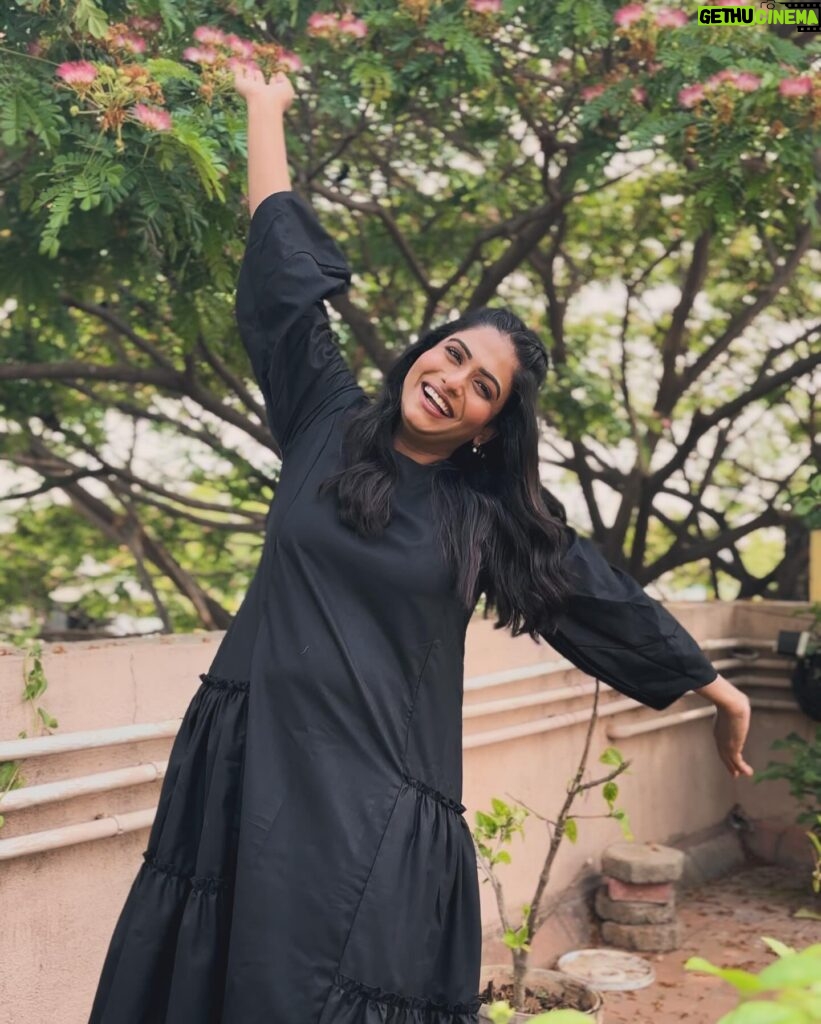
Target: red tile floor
722	921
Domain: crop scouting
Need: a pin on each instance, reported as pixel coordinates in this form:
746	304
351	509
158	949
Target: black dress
310	861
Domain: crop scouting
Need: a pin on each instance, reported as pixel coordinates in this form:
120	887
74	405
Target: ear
486	435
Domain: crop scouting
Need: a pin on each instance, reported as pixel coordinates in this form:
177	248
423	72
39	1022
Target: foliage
534	154
496	828
793	982
802	772
35	683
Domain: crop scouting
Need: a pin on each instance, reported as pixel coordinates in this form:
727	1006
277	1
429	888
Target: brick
642	862
617	890
643	938
630	912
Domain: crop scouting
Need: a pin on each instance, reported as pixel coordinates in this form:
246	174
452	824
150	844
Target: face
472	373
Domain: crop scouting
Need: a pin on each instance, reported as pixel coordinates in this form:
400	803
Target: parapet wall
70	851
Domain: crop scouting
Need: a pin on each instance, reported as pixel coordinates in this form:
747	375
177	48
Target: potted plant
529	991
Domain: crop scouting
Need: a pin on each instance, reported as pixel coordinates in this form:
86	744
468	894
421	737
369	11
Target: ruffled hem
353	1002
168	954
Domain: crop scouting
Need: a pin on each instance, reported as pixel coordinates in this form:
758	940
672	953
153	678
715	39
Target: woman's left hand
730	731
732	722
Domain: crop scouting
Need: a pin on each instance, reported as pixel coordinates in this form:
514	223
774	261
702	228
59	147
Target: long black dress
310	862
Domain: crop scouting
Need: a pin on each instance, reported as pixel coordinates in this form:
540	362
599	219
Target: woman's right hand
251	85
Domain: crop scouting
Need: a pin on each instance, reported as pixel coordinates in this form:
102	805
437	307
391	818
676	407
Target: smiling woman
310	862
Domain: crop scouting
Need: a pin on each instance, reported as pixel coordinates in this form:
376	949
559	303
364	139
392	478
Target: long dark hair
500	531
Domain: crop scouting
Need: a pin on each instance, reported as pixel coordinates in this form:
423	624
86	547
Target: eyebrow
482	370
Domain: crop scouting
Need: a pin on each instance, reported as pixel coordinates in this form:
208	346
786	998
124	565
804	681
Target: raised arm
267	154
291	264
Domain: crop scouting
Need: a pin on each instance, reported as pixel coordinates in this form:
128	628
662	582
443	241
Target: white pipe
526	700
70	835
551	724
620	732
515	675
623	732
774	705
81	785
61	743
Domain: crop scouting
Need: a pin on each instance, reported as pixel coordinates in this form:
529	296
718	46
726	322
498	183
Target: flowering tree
463	152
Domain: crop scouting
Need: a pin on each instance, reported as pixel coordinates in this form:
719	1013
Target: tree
462	154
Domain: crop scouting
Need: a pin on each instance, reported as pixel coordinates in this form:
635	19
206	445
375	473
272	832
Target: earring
477	450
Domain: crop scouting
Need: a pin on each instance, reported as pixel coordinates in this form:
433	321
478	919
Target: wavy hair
500	531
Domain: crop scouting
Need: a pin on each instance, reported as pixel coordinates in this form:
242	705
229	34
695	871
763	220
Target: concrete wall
59	906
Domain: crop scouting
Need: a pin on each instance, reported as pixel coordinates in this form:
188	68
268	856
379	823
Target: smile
434	401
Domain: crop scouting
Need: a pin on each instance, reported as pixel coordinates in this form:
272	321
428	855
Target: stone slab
643	938
642	862
661	892
630	912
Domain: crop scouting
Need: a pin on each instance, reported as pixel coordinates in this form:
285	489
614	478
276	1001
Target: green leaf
610	791
764	1013
611	756
743	981
571	830
88	17
486	822
778	947
796	970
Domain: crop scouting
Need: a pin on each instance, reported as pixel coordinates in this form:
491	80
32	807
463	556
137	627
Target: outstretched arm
267	155
614	631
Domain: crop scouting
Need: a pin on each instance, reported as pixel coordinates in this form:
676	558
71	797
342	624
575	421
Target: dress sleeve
290	265
615	632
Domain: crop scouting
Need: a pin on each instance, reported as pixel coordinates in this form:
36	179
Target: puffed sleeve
290	265
615	632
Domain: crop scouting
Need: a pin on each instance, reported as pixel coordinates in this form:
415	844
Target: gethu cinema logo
805	16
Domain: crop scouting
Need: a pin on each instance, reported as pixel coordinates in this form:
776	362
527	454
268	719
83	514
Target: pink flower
801	86
239	46
485	6
198	56
139	24
668	18
639	94
290	60
626	16
747	81
321	24
690	95
129	41
590	92
721	76
242	63
353	26
208	35
77	72
152	117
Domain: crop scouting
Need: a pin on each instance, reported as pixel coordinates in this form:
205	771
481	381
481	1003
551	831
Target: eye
457	353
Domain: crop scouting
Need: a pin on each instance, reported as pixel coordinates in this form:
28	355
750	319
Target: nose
451	384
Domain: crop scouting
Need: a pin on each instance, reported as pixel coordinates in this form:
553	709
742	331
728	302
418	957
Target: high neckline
407	460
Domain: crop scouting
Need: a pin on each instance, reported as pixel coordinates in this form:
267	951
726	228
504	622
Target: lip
430	405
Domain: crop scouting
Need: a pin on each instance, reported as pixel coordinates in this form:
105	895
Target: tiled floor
722	921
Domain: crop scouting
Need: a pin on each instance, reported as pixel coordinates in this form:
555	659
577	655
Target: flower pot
574	994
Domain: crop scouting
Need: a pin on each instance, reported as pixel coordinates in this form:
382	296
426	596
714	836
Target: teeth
436	399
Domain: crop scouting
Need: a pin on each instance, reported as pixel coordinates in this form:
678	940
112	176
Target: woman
309	862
